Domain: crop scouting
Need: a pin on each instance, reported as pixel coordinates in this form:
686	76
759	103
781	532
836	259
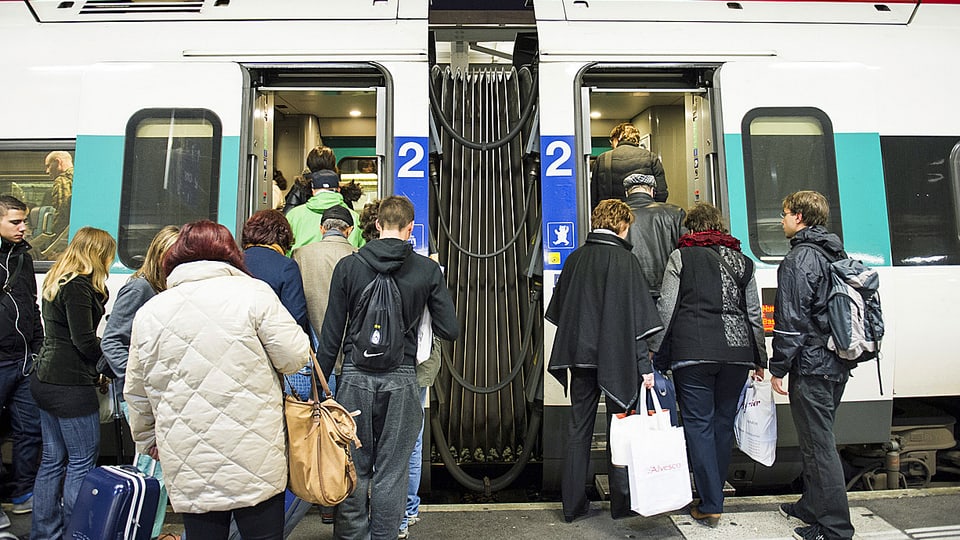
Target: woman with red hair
202	388
266	239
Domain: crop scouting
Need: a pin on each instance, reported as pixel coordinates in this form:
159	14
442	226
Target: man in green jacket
305	219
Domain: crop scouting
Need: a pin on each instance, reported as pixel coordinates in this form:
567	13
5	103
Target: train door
157	144
671	109
810	126
295	110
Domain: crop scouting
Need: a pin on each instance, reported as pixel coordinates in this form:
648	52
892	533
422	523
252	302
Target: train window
171	173
41	175
786	150
922	181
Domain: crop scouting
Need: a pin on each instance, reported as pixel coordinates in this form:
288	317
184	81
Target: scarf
709	238
274	247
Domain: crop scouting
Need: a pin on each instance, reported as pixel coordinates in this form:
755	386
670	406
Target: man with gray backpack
818	375
377	297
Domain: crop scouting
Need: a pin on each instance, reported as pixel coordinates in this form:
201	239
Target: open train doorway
671	107
293	110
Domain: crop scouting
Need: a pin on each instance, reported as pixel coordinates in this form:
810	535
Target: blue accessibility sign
560	235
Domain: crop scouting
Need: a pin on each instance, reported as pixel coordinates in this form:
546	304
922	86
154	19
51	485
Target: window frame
750	180
127	179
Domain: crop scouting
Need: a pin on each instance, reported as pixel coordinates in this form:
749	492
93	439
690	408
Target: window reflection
42	177
170	175
786	150
922	175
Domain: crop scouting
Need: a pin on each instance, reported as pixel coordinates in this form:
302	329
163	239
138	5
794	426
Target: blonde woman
74	296
143	285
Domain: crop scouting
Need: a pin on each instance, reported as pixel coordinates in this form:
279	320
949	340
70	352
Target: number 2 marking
555	168
406	170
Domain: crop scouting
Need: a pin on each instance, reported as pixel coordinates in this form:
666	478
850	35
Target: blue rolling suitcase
115	503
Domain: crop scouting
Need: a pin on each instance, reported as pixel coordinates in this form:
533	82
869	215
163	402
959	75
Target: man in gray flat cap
317	260
656	228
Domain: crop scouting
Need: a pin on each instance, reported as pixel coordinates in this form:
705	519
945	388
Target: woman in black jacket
714	336
64	384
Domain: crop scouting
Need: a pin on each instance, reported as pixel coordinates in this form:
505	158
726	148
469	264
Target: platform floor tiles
772	526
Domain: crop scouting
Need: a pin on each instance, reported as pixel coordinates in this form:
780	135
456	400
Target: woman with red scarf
714	336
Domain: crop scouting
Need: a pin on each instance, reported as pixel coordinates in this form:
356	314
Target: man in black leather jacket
817	375
656	228
21	335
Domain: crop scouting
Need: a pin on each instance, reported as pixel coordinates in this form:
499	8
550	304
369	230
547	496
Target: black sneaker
812	532
787	511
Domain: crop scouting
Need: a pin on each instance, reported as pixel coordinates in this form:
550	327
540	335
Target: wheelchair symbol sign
561	235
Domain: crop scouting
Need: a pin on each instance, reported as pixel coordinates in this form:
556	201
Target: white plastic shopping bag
622	429
659	473
755	427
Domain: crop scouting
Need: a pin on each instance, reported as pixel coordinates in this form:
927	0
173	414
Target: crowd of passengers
198	334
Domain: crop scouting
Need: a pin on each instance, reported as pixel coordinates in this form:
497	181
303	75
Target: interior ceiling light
595	114
355	113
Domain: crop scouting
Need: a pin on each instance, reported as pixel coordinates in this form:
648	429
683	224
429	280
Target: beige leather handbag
319	436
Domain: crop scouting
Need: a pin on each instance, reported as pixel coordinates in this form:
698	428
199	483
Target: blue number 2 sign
410	174
559	193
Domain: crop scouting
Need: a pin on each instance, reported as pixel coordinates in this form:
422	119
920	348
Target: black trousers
584	399
263	521
813	404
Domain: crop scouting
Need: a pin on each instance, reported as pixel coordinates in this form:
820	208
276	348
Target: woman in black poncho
603	312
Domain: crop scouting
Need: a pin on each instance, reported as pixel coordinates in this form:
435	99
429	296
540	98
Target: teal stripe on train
98	176
863	198
229	183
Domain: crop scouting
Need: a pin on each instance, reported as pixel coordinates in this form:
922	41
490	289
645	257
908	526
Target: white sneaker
4	520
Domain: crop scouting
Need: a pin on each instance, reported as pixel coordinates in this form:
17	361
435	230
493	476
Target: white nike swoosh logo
365	355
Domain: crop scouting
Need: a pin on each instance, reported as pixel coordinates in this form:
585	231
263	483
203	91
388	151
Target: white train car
180	110
748	101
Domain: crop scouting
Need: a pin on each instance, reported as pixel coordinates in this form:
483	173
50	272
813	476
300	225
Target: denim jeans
416	464
708	395
25	427
70	449
390	414
813	404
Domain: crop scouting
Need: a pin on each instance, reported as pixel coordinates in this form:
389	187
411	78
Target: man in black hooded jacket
21	336
817	375
388	401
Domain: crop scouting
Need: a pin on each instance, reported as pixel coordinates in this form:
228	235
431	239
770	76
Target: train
179	110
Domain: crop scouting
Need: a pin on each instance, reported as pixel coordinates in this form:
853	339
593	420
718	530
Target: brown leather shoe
710	520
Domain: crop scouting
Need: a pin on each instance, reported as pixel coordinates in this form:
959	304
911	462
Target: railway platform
914	514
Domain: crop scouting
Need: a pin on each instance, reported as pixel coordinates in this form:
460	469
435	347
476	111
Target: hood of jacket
323	200
200	270
819	235
386	255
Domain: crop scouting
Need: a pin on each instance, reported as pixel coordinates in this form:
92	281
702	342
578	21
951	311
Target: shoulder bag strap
318	375
742	281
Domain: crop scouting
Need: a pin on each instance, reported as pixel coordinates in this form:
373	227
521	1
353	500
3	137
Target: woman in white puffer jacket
203	391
